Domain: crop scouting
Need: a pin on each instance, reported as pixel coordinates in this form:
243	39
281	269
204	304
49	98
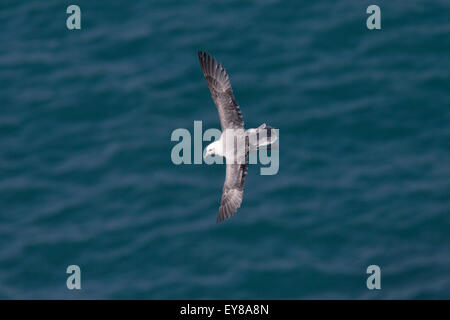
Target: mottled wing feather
221	92
233	190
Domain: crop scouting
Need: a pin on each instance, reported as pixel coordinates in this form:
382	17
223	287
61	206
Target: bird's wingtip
202	56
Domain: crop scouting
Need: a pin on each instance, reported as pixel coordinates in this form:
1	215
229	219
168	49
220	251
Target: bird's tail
262	136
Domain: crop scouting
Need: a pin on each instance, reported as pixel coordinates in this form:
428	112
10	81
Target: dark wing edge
221	92
233	190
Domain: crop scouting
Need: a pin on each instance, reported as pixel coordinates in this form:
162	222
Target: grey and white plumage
230	121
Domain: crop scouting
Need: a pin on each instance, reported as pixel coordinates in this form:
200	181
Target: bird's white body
231	145
234	144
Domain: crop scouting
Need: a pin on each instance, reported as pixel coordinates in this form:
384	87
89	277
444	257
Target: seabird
232	126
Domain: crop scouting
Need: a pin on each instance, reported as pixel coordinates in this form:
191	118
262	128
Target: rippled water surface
85	170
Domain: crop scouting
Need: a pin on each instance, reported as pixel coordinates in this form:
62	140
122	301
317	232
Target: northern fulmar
235	143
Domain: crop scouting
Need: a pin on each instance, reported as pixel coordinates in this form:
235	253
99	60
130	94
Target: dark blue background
85	170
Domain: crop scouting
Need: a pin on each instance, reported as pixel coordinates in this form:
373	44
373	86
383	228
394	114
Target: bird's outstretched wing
230	118
221	92
233	190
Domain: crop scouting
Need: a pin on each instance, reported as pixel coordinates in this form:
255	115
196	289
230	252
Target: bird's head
210	151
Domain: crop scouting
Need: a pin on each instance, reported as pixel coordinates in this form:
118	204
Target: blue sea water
86	176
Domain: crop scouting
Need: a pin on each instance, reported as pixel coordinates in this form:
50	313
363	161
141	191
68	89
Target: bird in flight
235	143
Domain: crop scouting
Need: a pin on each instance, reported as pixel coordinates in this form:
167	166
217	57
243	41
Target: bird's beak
208	154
